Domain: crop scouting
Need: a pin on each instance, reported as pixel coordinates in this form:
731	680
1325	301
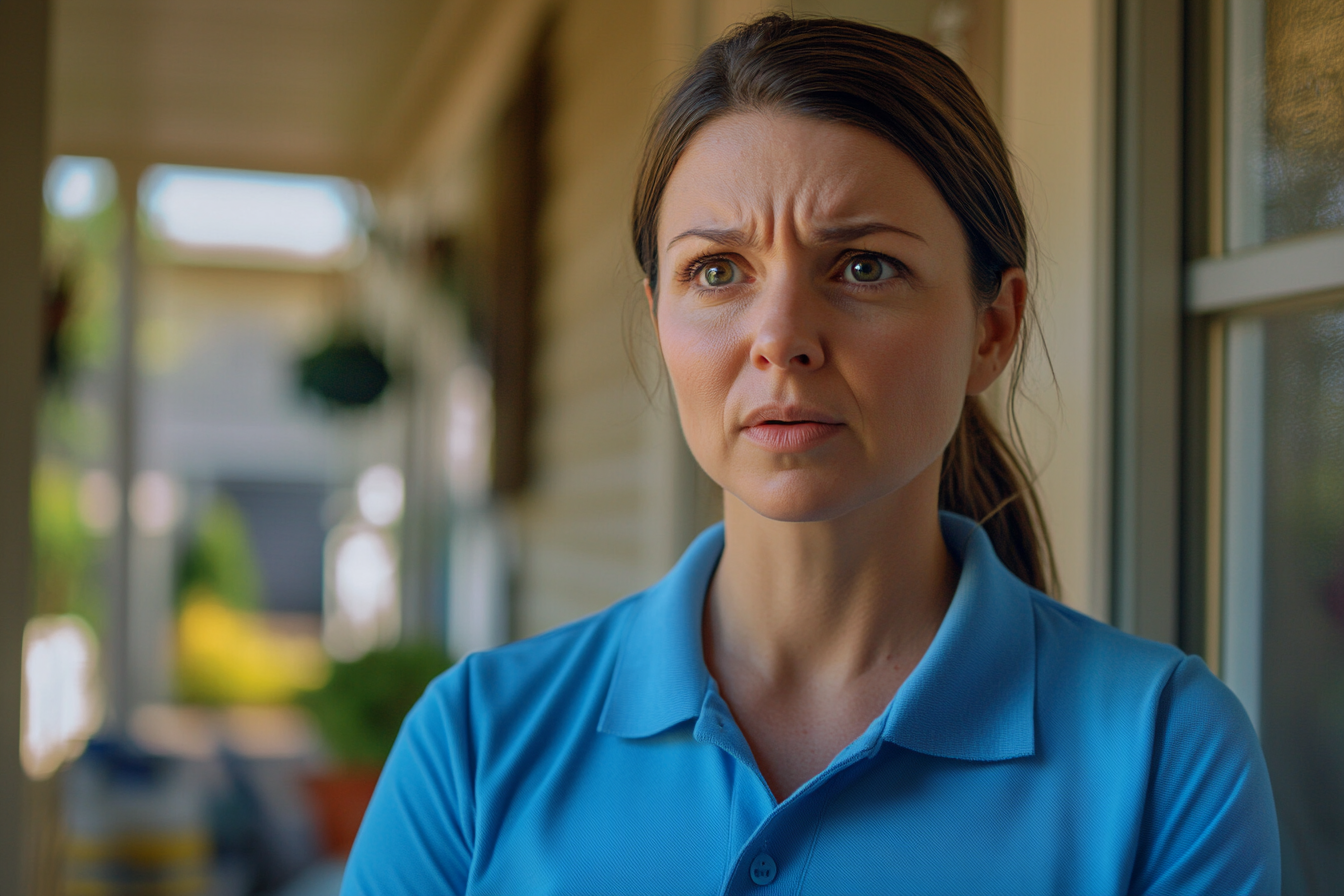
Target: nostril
803	360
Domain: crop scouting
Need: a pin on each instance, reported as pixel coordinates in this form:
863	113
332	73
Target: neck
822	604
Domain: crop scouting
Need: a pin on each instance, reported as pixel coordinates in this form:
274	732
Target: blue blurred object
266	819
321	879
135	823
138	823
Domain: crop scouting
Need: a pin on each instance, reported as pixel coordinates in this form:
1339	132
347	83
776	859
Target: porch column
23	82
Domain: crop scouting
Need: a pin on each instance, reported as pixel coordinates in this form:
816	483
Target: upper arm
1209	824
417	835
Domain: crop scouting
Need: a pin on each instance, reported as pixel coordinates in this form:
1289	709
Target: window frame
1226	291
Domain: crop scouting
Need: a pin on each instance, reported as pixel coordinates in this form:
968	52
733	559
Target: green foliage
88	250
64	551
220	559
361	707
73	429
77	431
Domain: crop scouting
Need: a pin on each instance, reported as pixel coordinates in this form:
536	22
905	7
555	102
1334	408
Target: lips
790	429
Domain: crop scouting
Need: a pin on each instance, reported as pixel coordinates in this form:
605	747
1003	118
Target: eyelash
692	269
902	272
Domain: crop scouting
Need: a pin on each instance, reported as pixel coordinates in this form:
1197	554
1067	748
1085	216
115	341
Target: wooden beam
23	77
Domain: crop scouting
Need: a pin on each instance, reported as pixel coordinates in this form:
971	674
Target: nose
788	331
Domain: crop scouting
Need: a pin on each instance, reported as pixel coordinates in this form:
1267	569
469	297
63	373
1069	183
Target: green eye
718	273
868	269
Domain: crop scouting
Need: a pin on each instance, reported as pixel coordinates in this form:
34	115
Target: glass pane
1286	119
1302	691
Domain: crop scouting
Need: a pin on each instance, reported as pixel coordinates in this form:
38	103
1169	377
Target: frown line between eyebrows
842	233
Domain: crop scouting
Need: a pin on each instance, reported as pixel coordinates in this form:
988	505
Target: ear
997	330
653	306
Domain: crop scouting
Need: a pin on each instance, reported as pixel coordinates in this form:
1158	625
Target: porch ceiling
321	86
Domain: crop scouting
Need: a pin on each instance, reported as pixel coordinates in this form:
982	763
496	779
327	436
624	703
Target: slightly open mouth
791	435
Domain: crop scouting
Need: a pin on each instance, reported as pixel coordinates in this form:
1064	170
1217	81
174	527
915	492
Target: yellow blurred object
159	864
231	656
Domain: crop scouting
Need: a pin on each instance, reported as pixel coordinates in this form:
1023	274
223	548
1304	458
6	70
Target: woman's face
815	312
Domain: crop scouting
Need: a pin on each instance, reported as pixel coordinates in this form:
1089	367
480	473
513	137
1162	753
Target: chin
802	502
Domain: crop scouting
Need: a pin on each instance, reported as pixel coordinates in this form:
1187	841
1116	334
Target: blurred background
322	365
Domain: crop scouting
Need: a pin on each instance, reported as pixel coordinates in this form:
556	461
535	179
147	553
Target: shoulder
478	728
1209	822
1072	647
1151	696
568	665
1163	735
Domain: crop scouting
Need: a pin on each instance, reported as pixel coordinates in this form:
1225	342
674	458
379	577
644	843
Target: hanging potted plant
347	371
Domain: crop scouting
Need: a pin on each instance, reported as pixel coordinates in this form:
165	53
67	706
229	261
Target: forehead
747	167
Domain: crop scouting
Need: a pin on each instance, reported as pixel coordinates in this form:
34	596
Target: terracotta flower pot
340	796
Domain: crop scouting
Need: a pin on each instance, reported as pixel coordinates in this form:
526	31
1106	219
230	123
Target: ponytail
984	479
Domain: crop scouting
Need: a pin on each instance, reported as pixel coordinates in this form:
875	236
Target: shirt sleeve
417	835
1209	824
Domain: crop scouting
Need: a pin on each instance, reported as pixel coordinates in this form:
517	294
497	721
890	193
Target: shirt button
762	870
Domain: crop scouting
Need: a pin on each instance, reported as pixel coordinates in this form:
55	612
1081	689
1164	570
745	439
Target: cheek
914	383
700	365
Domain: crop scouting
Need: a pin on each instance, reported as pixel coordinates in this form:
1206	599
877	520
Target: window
1268	297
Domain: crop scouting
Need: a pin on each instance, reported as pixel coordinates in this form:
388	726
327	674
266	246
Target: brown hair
908	93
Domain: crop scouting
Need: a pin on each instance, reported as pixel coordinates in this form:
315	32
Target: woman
840	689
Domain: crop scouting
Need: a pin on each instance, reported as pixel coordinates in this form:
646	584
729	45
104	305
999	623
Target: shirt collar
660	675
971	697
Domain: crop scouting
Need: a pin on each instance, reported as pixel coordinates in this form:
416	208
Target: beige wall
605	512
598	521
1057	109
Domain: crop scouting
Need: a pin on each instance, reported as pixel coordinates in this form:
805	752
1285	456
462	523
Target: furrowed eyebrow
729	237
845	233
839	234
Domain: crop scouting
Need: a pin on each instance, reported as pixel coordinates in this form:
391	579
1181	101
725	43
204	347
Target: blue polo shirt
1032	751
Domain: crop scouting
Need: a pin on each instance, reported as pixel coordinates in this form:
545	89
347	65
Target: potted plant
358	713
